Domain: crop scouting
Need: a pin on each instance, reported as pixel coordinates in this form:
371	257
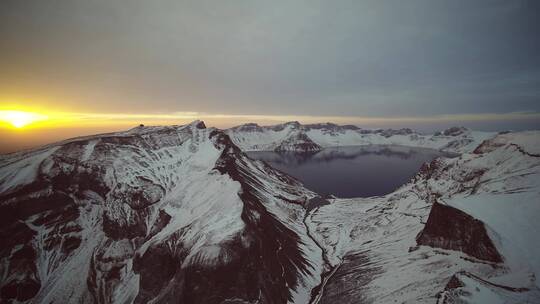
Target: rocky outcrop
299	142
453	229
465	287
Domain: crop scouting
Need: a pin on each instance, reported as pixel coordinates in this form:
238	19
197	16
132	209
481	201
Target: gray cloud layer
383	58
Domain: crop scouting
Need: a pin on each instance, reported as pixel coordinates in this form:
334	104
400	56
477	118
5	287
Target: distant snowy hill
293	136
180	214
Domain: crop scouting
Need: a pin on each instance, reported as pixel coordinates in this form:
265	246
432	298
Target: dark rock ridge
453	229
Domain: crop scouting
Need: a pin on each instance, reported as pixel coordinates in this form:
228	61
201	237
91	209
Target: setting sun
20	119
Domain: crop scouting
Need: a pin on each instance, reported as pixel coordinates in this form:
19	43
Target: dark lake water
360	171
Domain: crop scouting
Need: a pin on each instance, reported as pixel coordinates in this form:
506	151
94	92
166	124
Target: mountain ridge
181	214
293	136
116	207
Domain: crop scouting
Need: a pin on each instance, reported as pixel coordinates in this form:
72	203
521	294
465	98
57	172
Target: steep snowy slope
464	230
293	136
155	214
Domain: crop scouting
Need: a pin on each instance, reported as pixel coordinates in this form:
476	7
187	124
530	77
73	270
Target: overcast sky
321	58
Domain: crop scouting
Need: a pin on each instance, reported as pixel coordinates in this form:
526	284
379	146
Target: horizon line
80	119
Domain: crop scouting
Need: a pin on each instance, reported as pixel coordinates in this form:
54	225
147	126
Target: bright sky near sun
75	67
24	118
19	119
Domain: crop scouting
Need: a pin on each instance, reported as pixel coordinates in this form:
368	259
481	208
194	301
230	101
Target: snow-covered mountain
154	214
180	214
293	136
464	230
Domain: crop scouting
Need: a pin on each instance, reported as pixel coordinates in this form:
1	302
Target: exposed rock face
21	281
450	228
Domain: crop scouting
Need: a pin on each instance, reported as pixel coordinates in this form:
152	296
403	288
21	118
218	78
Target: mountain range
180	214
293	136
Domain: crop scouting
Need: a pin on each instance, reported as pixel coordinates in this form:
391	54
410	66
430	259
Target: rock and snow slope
293	136
180	215
154	214
464	230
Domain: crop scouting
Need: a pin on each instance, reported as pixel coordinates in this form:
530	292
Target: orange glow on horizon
30	118
25	126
